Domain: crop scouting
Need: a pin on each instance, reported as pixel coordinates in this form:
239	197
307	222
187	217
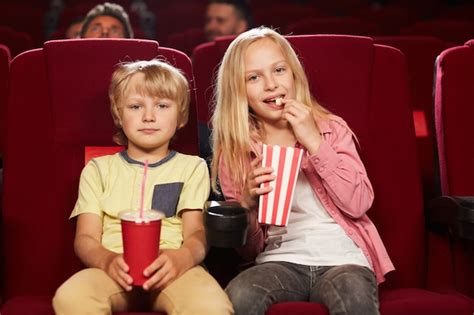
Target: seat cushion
393	302
41	305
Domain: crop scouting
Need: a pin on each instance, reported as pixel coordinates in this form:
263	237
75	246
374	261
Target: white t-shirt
312	237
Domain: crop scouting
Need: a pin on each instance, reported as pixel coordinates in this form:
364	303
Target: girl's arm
88	247
172	263
248	199
342	172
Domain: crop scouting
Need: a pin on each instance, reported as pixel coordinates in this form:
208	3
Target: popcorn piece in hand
278	101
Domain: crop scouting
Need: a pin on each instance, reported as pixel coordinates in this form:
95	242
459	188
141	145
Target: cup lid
134	215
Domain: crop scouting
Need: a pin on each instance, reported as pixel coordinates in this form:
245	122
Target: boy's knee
65	300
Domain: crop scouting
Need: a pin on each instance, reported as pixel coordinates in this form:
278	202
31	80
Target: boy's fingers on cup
122	264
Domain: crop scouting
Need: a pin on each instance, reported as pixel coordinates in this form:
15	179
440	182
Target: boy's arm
88	247
172	263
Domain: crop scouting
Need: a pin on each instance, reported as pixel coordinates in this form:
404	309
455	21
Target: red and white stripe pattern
274	207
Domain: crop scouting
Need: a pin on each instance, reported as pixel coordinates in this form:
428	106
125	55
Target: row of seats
58	106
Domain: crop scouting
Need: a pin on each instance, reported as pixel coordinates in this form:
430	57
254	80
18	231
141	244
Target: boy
149	102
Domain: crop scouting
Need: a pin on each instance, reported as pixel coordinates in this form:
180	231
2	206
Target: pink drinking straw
142	195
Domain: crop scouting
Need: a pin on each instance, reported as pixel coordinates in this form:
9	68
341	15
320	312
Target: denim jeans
345	289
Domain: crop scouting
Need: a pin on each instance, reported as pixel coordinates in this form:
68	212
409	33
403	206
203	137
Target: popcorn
274	207
278	101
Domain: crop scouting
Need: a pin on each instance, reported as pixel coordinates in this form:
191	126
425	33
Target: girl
330	252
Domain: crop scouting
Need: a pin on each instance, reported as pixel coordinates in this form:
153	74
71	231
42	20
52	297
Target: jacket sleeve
342	172
255	235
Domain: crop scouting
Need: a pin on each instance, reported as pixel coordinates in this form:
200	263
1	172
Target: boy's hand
169	265
117	269
255	177
302	122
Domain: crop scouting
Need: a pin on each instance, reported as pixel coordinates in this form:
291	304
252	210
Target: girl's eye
280	69
252	77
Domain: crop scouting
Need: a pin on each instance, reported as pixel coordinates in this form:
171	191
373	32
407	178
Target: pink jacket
339	179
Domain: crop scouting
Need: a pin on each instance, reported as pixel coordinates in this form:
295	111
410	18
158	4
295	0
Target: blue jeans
346	289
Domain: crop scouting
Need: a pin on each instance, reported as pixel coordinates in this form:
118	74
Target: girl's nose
270	83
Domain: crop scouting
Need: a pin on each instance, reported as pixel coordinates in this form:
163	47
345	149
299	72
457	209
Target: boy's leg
254	290
346	289
89	291
195	292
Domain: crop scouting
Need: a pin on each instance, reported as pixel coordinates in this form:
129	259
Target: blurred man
108	20
74	28
226	17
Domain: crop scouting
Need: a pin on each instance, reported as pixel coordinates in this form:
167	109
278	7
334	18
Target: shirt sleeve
196	188
342	172
90	190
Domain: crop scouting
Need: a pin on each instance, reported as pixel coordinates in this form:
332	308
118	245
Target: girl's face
148	122
268	76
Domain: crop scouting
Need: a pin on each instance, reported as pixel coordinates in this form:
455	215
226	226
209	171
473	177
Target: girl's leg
195	292
89	291
346	289
254	290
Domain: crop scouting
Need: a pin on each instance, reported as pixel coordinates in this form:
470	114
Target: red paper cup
141	241
274	207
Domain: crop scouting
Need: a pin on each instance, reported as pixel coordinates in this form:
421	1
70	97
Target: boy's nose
148	115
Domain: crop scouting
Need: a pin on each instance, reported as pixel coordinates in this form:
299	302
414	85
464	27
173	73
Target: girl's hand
117	269
169	265
302	122
255	177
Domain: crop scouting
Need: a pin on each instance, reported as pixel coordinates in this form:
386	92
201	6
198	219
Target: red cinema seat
389	18
453	119
186	40
333	25
367	84
64	110
421	53
24	17
17	42
283	14
5	58
455	31
206	58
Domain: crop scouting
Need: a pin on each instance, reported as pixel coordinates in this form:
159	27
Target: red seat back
454	110
4	74
421	53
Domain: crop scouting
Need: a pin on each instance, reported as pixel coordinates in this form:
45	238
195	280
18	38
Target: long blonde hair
235	128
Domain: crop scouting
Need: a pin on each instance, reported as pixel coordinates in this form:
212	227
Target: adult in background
108	20
226	17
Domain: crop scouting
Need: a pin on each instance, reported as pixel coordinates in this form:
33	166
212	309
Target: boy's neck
152	155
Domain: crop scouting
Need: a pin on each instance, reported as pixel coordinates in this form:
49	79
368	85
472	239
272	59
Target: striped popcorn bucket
274	207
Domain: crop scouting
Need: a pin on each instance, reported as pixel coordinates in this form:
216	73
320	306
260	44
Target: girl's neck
282	136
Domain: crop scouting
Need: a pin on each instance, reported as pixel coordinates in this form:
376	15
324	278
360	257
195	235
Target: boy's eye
162	105
134	106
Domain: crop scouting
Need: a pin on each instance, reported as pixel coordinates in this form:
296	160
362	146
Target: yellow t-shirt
112	183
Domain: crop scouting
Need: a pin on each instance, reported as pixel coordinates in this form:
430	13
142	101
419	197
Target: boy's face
148	122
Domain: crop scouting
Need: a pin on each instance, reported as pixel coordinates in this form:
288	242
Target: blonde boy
149	102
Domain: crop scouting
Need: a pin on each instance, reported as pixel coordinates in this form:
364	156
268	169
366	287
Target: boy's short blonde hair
160	80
